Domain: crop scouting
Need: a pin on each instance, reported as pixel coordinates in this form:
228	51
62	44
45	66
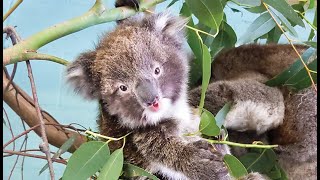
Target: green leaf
86	160
259	162
236	168
221	115
195	45
284	8
315	24
311	43
284	22
206	73
274	35
311	5
113	167
209	12
274	173
172	2
257	9
225	39
308	56
64	148
260	26
249	2
208	124
4	122
131	170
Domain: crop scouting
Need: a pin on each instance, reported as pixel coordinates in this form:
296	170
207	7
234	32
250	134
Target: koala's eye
123	88
157	71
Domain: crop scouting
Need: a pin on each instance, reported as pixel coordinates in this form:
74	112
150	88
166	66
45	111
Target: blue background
54	95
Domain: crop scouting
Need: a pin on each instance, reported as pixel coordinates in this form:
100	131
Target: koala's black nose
156	99
147	92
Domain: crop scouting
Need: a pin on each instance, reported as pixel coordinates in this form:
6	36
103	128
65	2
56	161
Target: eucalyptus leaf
235	167
86	160
274	173
259	162
113	167
195	45
274	35
225	39
208	124
172	2
285	23
284	8
260	26
256	9
312	33
4	122
64	148
249	3
311	5
131	170
308	56
209	12
221	115
206	73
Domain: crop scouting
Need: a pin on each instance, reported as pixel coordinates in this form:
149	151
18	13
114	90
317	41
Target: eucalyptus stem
14	7
96	15
241	145
105	137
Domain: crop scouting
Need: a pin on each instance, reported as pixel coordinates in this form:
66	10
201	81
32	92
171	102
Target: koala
139	74
259	112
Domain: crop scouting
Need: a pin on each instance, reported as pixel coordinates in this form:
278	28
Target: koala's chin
152	115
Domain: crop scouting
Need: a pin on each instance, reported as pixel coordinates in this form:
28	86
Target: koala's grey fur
239	75
128	56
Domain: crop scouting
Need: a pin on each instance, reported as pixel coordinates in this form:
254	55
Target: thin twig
16	161
44	144
10	128
14	7
241	145
294	48
34	156
33	128
25	147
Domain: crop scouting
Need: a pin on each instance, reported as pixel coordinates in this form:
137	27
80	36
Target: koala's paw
206	165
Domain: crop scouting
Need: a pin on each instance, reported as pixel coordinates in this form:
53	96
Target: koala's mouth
154	106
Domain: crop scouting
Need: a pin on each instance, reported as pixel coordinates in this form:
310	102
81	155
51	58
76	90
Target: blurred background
55	96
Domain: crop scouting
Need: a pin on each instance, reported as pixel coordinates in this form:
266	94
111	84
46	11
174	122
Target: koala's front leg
255	106
176	159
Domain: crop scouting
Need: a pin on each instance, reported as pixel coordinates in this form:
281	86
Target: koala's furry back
255	64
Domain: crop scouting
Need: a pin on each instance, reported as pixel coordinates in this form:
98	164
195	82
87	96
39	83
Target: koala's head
139	70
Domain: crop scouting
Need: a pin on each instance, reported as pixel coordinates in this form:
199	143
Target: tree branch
33	155
96	15
21	103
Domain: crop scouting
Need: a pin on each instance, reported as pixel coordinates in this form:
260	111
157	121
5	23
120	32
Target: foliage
206	38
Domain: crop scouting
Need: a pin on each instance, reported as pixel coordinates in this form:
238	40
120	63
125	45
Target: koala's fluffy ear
79	75
170	24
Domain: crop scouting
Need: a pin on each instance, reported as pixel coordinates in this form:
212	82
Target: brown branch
45	143
34	156
22	104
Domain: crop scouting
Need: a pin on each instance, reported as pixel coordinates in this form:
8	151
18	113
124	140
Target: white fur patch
170	174
248	115
75	73
161	21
